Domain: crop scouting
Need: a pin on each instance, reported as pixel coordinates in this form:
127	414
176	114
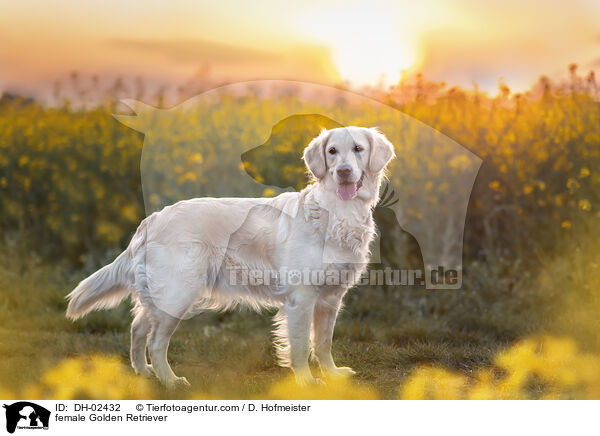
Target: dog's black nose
344	171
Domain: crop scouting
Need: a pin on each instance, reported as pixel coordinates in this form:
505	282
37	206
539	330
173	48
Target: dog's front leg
325	314
299	308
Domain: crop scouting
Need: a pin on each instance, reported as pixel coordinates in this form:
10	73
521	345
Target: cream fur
180	258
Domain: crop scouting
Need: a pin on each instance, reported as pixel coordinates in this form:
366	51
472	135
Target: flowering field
524	325
534	368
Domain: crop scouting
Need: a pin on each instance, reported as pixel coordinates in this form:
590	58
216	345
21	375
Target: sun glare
369	45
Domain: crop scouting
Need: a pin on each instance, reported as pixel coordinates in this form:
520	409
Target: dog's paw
320	381
145	371
341	372
305	378
178	383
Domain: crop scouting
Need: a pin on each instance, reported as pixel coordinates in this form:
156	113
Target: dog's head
349	161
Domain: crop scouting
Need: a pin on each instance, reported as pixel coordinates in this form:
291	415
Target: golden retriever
191	256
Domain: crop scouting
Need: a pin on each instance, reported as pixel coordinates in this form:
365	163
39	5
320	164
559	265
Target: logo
26	415
206	147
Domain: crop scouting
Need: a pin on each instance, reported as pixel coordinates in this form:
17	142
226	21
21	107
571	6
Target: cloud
595	63
463	57
236	62
195	50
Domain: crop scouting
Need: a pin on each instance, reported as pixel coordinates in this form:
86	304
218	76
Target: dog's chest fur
345	230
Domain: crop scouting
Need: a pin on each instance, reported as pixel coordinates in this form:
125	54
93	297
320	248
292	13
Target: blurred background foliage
70	180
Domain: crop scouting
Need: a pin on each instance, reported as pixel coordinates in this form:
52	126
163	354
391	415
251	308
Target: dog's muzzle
347	191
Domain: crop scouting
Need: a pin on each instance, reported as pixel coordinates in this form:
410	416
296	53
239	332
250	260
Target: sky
325	41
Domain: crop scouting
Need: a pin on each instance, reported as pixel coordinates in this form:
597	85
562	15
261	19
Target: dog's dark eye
332	150
358	148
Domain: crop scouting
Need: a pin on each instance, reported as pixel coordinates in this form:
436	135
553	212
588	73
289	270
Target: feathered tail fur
103	289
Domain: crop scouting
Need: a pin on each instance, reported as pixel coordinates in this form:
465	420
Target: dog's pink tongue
346	191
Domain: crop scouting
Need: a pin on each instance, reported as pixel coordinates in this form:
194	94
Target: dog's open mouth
347	191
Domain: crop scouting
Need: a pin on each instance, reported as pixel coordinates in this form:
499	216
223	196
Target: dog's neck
347	224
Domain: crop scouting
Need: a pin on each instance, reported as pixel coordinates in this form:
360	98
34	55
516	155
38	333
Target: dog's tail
103	289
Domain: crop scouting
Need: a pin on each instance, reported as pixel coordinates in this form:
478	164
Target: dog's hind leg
140	328
163	327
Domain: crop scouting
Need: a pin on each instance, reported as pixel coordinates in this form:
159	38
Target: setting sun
368	44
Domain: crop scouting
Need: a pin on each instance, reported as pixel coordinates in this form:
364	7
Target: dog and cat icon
26	415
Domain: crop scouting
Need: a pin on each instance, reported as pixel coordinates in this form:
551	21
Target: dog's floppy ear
314	155
382	151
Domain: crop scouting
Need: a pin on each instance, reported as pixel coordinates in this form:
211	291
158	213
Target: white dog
184	256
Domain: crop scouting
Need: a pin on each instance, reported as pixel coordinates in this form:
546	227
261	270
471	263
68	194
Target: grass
382	333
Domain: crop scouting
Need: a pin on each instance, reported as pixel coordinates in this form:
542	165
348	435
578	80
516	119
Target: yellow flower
495	185
585	205
187	177
459	162
430	383
485	387
23	161
566	224
129	212
558	360
196	158
94	377
584	172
